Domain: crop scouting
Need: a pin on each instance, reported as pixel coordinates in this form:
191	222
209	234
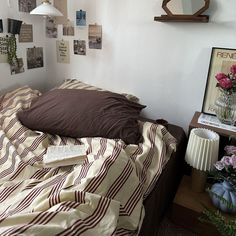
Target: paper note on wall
63	52
3	49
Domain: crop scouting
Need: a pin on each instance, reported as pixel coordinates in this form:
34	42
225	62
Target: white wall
165	64
35	78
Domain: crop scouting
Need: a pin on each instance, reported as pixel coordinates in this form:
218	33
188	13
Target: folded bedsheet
103	196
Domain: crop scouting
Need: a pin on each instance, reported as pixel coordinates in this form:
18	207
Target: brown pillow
84	113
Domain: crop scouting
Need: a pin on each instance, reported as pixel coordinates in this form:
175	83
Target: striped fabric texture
76	84
103	196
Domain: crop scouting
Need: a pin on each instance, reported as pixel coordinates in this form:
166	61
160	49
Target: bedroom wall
164	64
35	78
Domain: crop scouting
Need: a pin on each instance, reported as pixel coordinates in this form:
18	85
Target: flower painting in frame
222	62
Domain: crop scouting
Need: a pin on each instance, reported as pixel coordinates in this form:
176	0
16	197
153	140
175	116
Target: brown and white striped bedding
103	196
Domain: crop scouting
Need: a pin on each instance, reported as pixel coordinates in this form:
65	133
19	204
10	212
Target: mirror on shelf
184	10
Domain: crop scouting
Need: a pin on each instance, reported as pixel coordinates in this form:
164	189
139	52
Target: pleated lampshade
46	9
201	154
202	150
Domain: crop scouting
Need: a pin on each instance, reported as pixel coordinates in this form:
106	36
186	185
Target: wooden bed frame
163	193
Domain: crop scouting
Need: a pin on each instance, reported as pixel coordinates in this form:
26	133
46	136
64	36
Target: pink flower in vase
226	83
221	76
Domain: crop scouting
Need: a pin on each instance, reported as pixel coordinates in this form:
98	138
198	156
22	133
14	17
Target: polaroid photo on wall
69	29
26	5
17	67
1	26
80	47
81	18
51	28
34	57
95	36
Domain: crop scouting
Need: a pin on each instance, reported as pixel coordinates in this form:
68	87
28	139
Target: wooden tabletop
194	124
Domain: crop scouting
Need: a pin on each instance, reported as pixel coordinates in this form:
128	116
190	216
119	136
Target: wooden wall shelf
182	18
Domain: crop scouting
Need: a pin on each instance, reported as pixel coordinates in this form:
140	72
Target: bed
118	189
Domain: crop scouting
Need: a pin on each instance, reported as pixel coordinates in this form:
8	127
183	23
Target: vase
226	191
225	108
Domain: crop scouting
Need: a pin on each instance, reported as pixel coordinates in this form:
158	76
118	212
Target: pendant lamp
46	9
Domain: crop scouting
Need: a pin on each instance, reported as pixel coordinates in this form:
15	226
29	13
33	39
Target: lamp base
198	180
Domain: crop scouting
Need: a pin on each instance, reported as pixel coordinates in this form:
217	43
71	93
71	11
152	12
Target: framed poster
221	61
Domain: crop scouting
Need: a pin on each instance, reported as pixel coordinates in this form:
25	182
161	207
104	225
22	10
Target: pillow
84	113
76	84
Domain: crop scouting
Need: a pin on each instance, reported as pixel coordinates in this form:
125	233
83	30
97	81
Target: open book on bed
64	155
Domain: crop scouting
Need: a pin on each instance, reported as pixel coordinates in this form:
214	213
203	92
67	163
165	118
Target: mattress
104	195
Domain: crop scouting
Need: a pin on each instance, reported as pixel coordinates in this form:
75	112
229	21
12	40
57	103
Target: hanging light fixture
46	9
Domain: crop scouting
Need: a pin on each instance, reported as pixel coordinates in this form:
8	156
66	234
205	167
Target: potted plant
223	193
14	27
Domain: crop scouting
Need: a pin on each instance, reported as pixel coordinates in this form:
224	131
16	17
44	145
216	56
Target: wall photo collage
34	55
69	28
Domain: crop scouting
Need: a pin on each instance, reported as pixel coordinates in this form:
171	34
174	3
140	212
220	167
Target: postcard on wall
63	52
26	33
26	5
69	29
221	61
34	57
51	27
61	5
95	36
1	26
17	68
80	47
81	18
3	50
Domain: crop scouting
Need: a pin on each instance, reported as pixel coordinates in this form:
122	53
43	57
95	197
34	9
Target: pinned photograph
80	47
63	52
26	34
34	57
26	5
69	29
17	67
51	28
3	49
1	26
81	18
95	36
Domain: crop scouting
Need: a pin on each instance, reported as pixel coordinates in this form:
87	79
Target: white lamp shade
202	150
46	9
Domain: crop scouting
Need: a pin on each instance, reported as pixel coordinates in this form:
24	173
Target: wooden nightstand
224	134
187	207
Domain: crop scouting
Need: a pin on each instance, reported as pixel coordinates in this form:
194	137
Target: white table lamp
201	154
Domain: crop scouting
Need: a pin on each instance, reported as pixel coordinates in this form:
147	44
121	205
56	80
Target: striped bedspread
103	196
